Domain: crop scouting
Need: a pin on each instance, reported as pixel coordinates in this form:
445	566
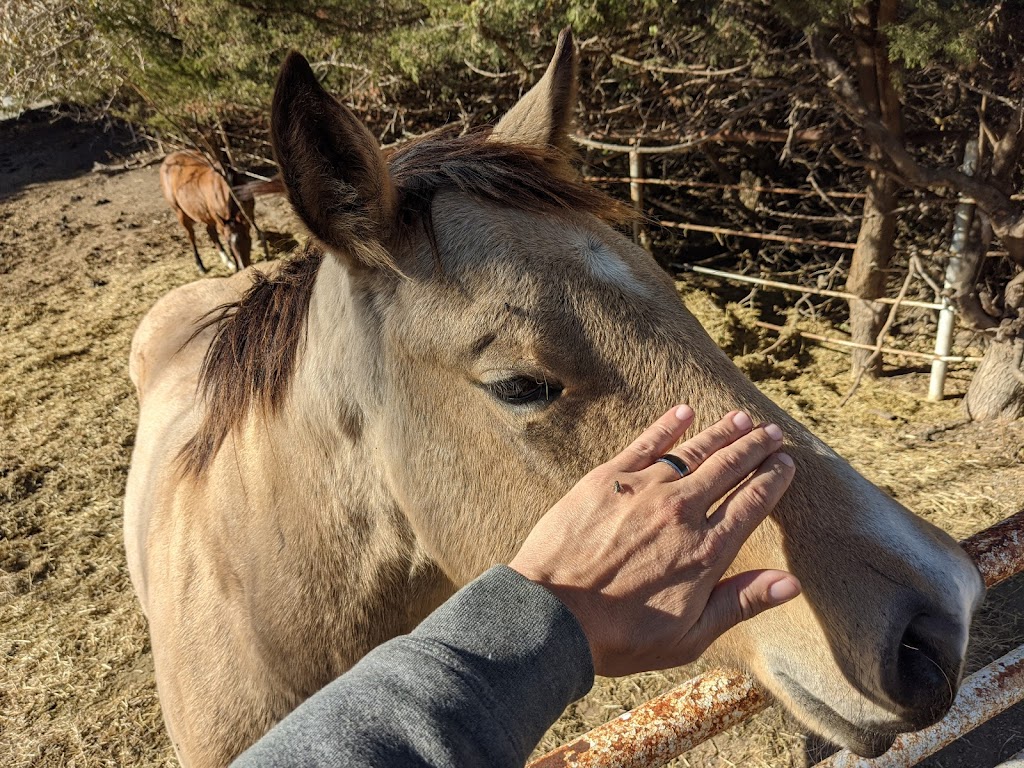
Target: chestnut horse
201	193
353	435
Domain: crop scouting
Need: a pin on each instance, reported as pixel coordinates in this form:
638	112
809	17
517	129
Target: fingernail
785	458
773	431
742	421
783	590
683	412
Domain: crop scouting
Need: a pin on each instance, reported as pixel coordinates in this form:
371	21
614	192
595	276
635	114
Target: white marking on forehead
607	267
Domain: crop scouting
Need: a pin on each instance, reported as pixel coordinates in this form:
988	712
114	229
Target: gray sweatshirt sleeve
476	684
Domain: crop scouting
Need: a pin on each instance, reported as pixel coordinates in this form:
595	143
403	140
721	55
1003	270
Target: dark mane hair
252	355
251	359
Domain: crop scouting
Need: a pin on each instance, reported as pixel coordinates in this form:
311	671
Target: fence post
636	195
943	345
963	217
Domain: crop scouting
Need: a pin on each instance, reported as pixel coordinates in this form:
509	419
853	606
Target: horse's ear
543	116
332	167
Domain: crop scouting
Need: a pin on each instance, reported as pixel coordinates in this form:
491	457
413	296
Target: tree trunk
867	272
878	227
997	389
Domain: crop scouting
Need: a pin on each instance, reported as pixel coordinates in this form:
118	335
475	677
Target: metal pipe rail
668	725
982	696
1015	761
794	288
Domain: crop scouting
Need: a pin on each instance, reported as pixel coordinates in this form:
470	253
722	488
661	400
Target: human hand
633	553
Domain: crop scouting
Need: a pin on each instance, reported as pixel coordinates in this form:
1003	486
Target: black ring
676	463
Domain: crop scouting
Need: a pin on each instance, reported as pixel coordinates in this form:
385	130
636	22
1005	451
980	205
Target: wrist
568	596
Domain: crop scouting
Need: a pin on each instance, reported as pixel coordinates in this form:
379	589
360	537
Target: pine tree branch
1006	217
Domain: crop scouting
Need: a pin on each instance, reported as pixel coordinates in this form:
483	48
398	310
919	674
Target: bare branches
1007	219
699	71
49	51
987	93
724	135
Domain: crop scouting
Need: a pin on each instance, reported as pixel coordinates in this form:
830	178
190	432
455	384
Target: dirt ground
83	255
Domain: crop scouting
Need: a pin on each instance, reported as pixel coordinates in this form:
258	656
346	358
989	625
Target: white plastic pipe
962	218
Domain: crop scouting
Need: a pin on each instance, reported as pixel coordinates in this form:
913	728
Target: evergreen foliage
174	61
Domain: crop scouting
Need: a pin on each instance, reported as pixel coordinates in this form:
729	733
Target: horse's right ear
332	167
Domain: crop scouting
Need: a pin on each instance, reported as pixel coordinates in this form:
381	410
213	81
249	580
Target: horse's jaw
861	726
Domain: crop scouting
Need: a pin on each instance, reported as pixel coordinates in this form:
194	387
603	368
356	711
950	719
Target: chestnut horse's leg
211	230
189	226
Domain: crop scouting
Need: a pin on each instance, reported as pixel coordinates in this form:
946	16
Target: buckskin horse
200	193
351	436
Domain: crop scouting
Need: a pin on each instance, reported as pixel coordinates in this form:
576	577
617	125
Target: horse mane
252	355
526	178
251	359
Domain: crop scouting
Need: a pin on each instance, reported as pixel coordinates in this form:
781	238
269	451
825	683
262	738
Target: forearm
477	683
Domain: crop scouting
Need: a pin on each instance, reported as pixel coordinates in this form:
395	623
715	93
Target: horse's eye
523	390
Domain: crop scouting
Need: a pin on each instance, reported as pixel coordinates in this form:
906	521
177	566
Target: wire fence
638	180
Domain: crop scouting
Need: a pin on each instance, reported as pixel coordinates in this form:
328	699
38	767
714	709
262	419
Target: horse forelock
252	356
526	178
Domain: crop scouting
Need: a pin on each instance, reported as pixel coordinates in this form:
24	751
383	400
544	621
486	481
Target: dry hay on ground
81	259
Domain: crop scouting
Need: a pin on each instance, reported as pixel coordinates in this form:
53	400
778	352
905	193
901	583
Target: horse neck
323	490
329	426
321	422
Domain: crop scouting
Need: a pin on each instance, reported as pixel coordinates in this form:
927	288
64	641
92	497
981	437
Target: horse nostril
926	671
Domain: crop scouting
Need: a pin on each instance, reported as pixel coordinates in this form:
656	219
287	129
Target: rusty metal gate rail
670	724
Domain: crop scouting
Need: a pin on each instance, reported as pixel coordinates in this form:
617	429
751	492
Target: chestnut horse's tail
253	189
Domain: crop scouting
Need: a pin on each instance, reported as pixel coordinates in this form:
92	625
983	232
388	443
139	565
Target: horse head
512	338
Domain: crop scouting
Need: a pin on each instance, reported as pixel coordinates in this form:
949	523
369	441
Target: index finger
727	467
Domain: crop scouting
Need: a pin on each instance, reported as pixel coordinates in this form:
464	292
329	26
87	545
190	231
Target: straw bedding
83	257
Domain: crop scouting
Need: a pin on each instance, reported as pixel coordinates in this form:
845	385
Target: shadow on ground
47	145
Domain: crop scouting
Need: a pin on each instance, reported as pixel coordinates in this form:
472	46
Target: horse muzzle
904	680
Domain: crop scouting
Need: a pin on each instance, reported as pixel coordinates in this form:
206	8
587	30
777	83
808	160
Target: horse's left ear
543	116
334	170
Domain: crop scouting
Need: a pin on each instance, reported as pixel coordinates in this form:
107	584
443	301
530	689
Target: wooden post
636	195
963	218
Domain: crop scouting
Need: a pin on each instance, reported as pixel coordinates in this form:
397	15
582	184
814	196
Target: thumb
739	598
